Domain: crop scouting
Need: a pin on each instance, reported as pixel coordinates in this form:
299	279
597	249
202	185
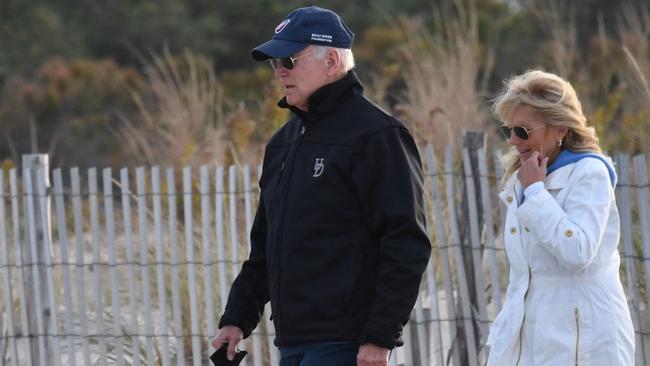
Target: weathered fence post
34	252
471	213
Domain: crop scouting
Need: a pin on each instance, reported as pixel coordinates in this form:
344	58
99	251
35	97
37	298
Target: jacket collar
556	180
567	157
325	99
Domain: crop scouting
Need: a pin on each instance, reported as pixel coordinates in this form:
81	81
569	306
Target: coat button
513	230
509	199
568	233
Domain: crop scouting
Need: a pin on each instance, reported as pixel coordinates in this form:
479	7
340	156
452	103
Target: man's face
307	76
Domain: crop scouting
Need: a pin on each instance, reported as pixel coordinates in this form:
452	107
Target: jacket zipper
521	336
282	173
577	313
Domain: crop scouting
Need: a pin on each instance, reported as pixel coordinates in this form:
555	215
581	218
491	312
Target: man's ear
333	61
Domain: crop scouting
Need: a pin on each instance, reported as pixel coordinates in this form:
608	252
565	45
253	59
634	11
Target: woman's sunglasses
519	131
287	62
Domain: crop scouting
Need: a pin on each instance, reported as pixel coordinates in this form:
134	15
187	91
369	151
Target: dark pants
321	354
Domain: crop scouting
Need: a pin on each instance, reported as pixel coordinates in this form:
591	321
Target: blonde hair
555	101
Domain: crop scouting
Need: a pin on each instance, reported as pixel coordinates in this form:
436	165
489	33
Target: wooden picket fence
128	268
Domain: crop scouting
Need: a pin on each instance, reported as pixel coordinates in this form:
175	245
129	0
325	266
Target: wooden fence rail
126	269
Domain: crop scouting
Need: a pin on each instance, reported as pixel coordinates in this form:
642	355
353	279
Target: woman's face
541	137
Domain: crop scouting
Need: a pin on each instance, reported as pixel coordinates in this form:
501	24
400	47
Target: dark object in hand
219	357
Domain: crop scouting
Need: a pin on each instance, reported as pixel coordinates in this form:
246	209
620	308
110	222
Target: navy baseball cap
302	27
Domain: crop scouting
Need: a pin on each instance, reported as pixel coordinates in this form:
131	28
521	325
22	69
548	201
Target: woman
564	304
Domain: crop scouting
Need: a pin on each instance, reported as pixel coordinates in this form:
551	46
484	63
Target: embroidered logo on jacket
319	166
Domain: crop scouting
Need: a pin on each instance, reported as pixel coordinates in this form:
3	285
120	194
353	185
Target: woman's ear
562	132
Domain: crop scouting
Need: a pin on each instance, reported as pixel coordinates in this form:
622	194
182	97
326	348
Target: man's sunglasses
287	62
519	131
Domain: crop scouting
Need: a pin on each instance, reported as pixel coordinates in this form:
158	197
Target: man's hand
372	355
228	334
533	169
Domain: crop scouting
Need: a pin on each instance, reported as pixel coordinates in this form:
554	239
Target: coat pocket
604	345
561	335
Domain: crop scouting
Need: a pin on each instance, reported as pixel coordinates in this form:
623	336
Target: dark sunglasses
287	62
519	131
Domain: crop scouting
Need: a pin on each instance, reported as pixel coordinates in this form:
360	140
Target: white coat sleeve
572	233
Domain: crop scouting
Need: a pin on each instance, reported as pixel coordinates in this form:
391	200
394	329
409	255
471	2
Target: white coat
565	304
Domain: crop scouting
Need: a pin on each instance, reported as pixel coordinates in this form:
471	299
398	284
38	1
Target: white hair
345	55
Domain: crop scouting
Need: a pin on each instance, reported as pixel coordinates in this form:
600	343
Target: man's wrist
383	342
370	344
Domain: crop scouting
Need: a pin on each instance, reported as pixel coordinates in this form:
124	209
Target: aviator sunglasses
287	62
519	131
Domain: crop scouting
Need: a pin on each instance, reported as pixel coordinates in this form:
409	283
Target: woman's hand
533	169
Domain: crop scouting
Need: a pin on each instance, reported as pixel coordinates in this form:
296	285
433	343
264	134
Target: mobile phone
219	357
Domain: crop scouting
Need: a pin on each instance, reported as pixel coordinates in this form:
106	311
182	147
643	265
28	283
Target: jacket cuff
382	335
233	317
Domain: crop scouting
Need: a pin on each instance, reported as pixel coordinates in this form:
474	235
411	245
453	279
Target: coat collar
327	98
558	179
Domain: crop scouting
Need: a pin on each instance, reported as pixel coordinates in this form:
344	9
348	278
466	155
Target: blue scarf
567	157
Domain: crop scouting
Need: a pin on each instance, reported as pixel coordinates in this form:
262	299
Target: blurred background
122	83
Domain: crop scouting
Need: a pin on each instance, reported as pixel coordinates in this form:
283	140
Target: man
339	242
